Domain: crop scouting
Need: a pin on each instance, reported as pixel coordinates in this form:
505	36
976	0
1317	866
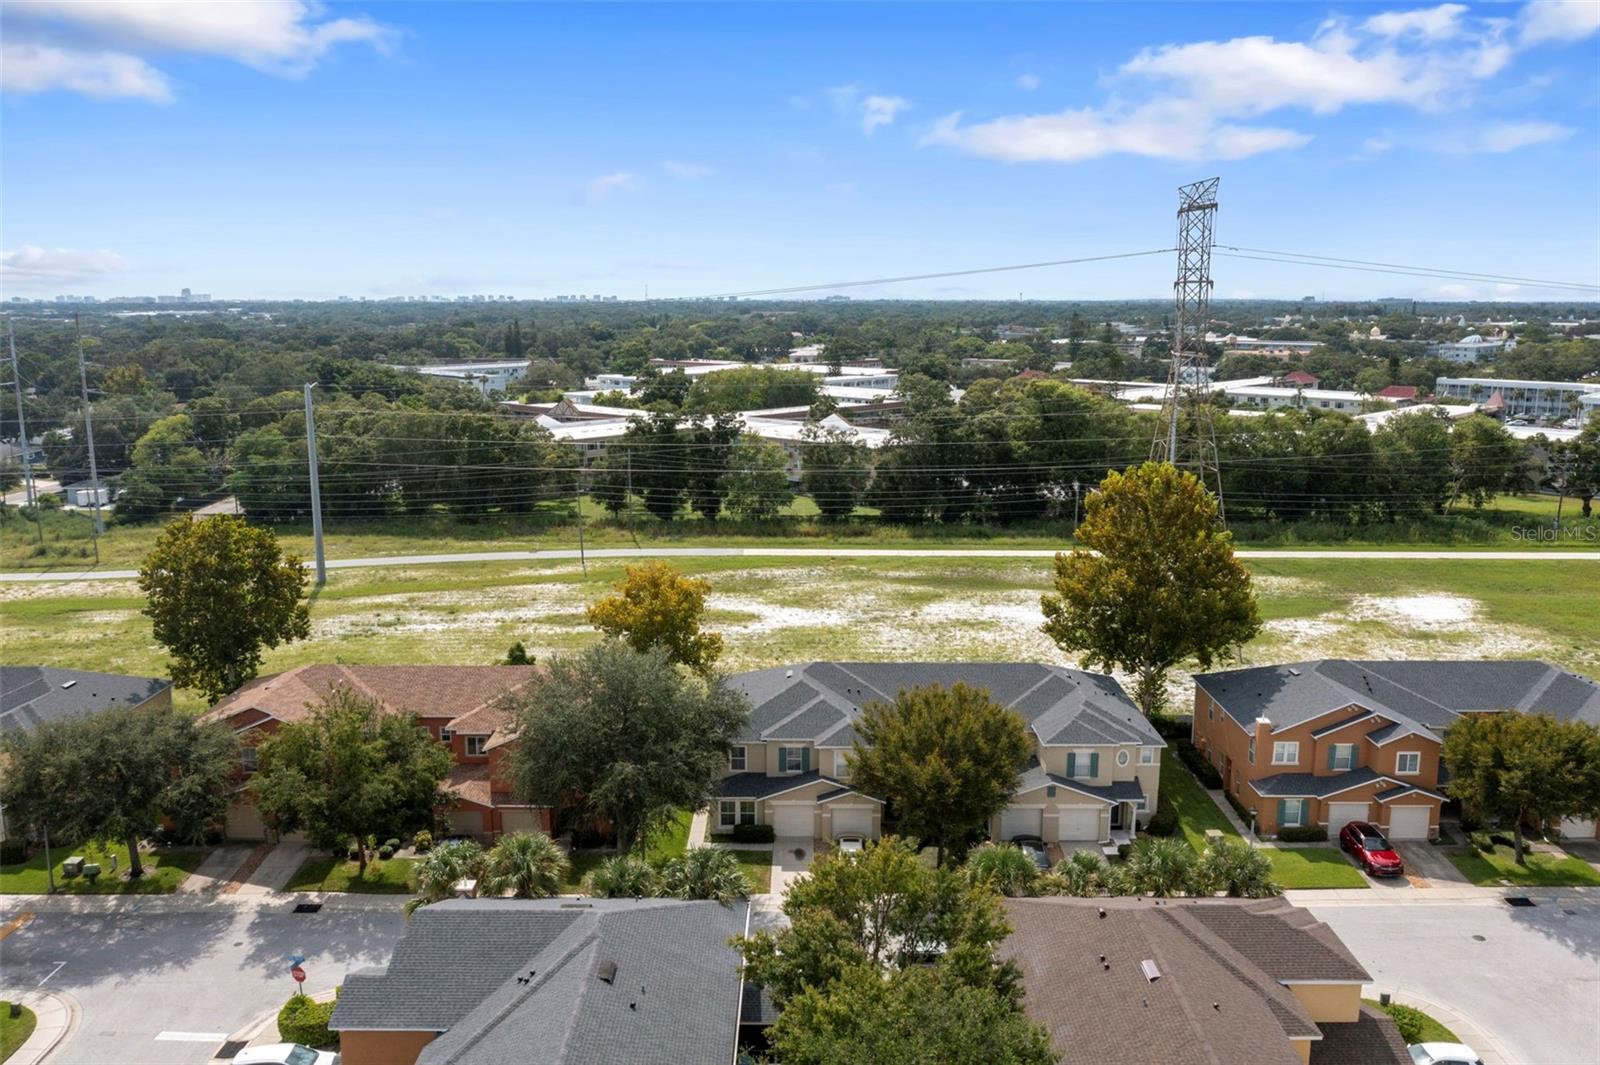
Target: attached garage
1577	828
244	822
795	820
852	821
1342	813
1409	822
520	819
466	821
1079	824
1018	821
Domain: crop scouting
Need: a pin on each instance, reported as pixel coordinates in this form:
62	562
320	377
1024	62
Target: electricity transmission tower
1187	437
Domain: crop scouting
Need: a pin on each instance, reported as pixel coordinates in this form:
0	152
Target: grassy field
14	1031
67	542
1541	870
1313	867
774	611
164	870
326	872
1416	1026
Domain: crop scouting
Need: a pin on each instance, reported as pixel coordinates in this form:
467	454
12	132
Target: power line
1417	269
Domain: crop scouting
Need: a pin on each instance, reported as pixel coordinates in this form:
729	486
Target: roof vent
788	673
1151	973
606	971
1293	672
1102	910
68	683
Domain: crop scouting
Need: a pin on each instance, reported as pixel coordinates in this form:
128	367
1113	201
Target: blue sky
286	149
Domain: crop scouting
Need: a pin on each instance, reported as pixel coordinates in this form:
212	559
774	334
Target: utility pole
316	488
88	429
577	493
1189	438
22	434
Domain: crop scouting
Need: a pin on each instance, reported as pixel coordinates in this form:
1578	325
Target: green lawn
1415	1026
1196	811
757	867
670	841
164	870
1313	867
326	872
1541	870
14	1032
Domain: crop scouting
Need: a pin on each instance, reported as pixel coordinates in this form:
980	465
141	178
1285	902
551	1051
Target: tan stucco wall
382	1048
1336	1003
1303	1048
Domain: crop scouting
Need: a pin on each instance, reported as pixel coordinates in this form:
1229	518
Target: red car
1371	851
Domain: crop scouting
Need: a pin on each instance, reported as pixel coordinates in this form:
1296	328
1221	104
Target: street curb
1488	1047
253	1031
40	1046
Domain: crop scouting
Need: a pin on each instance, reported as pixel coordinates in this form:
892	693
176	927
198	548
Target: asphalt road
1532	979
165	988
568	554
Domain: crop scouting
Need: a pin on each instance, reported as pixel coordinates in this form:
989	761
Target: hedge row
303	1021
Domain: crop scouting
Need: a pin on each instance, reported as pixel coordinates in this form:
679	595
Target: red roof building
1301	379
1401	394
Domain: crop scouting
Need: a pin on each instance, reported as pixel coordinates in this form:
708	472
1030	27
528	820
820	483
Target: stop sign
299	974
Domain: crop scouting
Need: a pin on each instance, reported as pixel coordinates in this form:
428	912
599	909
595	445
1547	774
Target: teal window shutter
805	759
1072	765
1333	754
1094	764
1283	811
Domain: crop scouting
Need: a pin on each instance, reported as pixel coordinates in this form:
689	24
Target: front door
1116	817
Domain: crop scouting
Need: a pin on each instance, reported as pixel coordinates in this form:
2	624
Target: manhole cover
1518	900
308	907
230	1049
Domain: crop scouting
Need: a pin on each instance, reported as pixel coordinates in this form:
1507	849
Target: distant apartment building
1275	397
486	377
1282	348
1516	398
1472	348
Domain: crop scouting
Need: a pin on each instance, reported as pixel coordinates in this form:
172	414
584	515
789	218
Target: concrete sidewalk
56	1015
1447	894
197	902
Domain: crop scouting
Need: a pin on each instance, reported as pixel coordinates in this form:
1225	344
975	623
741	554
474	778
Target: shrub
1161	867
1238	808
623	877
422	842
13	850
1004	867
1081	875
1170	727
1203	770
1238	869
753	834
1481	840
392	844
1165	820
1303	834
1411	1022
304	1021
1123	850
385	852
705	873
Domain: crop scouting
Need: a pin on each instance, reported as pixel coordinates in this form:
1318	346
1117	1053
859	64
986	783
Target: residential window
1408	763
1208	712
794	759
476	744
445	735
1122	758
1342	756
1250	751
1147	756
1286	752
747	811
1291	813
1083	765
247	756
736	759
727	813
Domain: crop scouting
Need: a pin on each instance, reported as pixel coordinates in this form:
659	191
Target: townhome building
460	706
1331	741
1093	776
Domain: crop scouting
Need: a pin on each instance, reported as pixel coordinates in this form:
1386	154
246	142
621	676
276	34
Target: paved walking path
56	1016
698	829
1229	812
562	554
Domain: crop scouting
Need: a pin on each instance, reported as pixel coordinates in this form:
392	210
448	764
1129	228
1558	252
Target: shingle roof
464	693
821	701
1425	695
471	783
33	695
1373	1039
1034	777
673	996
761	786
1304	785
1287	943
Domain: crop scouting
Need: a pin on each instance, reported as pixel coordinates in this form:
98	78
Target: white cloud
66	44
27	68
1028	82
1376	146
607	185
881	111
1565	21
30	264
1204	99
688	171
1509	136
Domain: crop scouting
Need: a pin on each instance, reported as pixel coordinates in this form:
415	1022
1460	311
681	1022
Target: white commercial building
1274	397
1472	348
1515	398
486	377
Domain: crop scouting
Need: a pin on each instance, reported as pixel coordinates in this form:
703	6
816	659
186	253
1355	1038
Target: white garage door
1016	822
1576	828
852	821
1342	813
1080	824
796	820
467	821
1408	822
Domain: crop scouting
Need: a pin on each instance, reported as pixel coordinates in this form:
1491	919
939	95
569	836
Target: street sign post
299	974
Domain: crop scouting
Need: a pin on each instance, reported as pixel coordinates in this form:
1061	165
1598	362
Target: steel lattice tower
1187	437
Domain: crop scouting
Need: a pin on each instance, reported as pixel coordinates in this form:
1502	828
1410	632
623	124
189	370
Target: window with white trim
1408	763
1250	751
1292	813
1122	758
1342	756
736	759
794	759
445	735
1286	752
1147	756
731	812
476	745
247	756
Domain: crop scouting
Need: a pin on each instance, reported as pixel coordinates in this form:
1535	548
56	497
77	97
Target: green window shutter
1333	754
1072	765
1283	812
805	759
1094	764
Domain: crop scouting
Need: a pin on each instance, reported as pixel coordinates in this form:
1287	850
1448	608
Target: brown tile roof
1219	996
1374	1039
470	783
453	692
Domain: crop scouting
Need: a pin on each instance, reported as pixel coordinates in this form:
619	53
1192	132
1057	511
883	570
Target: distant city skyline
284	150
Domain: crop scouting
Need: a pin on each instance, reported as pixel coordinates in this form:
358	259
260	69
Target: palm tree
1003	867
623	877
528	865
446	865
706	873
1082	874
1161	867
1239	870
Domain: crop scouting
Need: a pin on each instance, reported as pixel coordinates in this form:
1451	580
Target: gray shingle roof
1285	942
821	701
33	695
1034	776
1423	696
1309	785
761	786
674	995
1373	1039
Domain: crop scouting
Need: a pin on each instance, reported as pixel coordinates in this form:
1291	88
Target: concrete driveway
165	988
790	859
1530	977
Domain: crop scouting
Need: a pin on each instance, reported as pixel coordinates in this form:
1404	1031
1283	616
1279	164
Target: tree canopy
656	606
1159	583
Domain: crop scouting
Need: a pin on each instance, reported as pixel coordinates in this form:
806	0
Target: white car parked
285	1054
1443	1054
